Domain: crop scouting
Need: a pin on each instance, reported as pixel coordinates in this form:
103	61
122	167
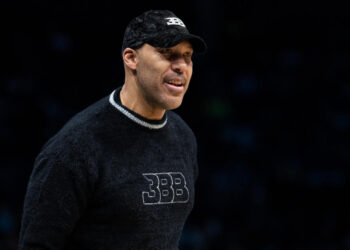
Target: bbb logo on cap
175	21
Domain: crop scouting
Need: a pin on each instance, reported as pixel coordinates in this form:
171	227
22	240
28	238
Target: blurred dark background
268	102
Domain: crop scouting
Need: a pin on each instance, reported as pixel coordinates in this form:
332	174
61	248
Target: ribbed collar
114	100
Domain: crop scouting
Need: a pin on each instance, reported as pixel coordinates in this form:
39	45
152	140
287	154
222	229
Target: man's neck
131	99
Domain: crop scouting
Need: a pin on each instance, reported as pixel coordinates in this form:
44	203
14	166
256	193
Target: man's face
163	74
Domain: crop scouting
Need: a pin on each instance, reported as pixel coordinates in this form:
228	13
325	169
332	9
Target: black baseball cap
159	28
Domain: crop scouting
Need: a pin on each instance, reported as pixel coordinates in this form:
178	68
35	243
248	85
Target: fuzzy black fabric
151	27
106	182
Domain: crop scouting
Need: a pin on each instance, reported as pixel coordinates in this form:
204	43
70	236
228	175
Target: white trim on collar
133	117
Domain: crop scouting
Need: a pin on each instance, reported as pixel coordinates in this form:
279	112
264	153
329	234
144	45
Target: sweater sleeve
56	197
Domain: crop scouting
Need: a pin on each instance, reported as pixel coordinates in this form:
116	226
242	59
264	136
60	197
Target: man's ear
129	58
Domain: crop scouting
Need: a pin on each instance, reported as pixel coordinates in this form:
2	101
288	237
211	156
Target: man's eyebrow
160	49
190	48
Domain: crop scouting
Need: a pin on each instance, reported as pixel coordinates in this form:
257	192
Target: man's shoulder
79	128
176	119
176	122
86	118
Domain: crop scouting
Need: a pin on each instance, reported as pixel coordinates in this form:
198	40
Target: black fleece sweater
111	179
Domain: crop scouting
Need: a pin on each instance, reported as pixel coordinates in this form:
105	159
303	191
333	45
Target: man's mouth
177	83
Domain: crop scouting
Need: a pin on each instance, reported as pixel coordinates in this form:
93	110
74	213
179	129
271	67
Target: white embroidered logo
165	188
175	21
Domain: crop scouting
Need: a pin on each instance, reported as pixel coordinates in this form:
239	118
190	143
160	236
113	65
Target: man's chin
174	106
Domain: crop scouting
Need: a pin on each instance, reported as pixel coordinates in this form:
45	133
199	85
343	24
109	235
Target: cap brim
170	40
197	42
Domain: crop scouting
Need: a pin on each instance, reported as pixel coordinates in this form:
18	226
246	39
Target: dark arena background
268	102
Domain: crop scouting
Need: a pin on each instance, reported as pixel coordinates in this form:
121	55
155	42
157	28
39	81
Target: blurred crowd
269	104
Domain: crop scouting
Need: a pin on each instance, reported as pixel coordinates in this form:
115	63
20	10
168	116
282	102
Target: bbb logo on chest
165	188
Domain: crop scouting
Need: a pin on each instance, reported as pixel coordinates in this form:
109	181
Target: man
121	174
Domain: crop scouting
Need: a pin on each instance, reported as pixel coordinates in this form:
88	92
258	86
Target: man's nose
179	65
